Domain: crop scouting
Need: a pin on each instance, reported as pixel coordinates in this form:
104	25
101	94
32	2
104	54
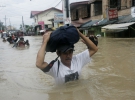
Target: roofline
73	5
34	14
78	3
49	9
92	1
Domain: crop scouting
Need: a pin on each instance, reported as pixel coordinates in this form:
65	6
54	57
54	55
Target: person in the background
1	35
21	42
4	40
9	39
15	41
69	67
27	43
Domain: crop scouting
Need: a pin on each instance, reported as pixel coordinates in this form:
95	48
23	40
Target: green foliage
27	27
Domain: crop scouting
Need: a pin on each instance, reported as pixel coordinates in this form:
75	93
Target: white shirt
78	61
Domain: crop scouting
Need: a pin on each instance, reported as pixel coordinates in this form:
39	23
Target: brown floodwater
110	75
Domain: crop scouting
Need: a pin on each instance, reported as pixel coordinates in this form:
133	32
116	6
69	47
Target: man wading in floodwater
68	68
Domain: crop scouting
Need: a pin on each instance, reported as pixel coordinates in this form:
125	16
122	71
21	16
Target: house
90	16
41	18
83	12
80	13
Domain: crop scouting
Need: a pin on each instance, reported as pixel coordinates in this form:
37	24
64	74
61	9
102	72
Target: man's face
66	57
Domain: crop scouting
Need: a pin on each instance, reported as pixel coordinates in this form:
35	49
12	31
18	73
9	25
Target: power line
26	9
54	7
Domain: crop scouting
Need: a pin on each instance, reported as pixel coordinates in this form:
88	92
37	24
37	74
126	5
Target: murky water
110	76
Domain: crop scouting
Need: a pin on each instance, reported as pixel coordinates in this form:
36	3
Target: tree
27	28
20	27
1	26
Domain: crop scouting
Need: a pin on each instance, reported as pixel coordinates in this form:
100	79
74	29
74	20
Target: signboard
42	24
58	17
133	11
112	13
67	20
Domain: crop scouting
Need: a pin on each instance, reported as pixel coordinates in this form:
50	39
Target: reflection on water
110	76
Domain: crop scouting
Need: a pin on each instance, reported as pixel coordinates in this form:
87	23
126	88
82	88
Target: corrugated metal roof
118	26
132	20
106	21
34	13
126	19
101	22
89	23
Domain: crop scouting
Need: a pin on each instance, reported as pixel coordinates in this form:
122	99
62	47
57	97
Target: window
98	8
115	4
84	12
74	15
80	12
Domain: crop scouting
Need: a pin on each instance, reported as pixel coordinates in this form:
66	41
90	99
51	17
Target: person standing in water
69	67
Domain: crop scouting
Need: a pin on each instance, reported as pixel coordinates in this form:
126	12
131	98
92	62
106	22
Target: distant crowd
17	40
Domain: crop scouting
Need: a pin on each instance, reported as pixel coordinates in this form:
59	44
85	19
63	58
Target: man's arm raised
41	53
91	46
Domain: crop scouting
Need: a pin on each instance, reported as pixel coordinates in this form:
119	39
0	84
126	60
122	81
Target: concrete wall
125	9
45	16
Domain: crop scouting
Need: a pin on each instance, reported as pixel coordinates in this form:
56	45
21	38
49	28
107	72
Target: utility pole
10	24
23	26
5	23
0	25
66	12
4	18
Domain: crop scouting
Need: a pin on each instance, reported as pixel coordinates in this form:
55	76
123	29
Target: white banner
133	11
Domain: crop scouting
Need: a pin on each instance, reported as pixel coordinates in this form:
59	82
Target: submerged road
110	75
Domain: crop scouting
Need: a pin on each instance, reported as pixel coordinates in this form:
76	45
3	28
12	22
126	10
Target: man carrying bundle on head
69	67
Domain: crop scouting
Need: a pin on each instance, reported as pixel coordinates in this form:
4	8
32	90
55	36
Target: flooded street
110	76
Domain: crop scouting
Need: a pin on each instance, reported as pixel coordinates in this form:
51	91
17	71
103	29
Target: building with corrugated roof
41	18
92	15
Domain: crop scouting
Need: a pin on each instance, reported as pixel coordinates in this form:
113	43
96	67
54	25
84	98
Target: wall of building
45	16
124	12
125	9
80	20
93	17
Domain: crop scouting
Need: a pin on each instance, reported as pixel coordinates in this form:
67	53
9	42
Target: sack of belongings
63	35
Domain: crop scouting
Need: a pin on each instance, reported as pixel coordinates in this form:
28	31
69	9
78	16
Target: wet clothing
9	39
66	74
21	43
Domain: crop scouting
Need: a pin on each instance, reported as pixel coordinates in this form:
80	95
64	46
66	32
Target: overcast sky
15	9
